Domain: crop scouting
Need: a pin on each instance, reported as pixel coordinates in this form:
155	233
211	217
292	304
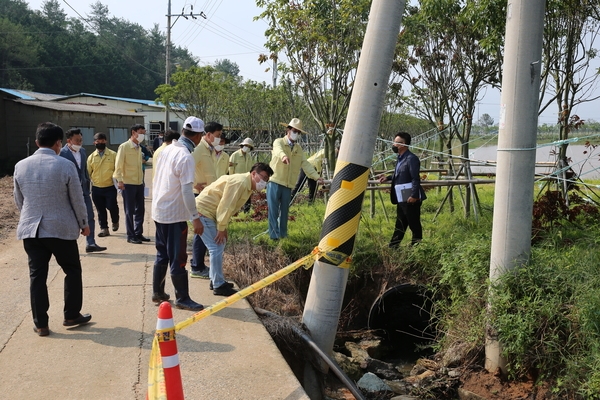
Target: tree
486	120
571	30
227	67
203	92
17	50
321	40
447	53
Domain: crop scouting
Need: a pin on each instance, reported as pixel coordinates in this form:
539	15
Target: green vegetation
547	313
46	51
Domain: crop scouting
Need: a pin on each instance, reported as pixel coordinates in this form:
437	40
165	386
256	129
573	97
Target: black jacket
407	172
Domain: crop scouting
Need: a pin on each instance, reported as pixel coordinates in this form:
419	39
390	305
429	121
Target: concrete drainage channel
378	358
404	312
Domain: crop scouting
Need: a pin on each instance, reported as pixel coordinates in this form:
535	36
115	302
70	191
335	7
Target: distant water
587	168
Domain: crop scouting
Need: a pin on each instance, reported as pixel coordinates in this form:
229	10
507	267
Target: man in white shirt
172	206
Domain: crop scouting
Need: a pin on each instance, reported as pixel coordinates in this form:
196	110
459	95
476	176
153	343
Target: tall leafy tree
17	52
571	31
321	41
447	54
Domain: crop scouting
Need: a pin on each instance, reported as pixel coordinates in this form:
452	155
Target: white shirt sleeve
189	200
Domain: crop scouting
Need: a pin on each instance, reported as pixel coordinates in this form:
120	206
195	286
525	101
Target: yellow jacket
101	169
316	160
222	164
241	162
224	197
155	157
128	165
204	156
287	174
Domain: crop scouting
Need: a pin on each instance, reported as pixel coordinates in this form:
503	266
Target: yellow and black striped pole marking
342	216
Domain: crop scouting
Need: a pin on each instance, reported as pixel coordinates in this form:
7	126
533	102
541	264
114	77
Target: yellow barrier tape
165	335
157	389
337	258
156	376
305	262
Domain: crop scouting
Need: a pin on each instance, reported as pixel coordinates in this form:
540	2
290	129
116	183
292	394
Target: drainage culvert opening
404	312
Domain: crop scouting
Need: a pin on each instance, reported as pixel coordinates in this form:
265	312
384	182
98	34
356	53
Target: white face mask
260	185
141	137
293	136
216	141
245	149
76	147
218	147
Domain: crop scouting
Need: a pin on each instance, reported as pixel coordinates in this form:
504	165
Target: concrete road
226	356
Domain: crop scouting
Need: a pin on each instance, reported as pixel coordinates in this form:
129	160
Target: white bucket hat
248	142
296	124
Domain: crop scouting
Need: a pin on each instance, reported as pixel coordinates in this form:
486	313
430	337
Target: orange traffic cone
168	352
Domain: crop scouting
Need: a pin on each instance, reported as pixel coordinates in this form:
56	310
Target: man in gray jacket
51	227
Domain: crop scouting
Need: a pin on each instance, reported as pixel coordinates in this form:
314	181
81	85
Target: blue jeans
198	253
278	199
215	251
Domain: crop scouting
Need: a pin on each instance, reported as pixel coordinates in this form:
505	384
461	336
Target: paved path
226	356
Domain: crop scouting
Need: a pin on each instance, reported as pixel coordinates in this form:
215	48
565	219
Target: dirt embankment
9	215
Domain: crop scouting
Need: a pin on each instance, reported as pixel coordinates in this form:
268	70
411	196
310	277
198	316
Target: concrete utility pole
340	225
168	49
513	197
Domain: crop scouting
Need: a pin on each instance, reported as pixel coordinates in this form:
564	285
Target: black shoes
160	297
94	247
228	284
41	331
224	290
115	226
142	238
134	241
80	320
188	304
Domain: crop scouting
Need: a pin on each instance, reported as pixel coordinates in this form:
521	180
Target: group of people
190	183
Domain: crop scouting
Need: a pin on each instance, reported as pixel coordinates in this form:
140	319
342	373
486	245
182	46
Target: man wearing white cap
173	204
287	158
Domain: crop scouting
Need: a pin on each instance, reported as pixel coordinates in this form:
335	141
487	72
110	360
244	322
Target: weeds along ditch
547	313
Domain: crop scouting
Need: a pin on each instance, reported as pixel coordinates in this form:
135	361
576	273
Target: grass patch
547	313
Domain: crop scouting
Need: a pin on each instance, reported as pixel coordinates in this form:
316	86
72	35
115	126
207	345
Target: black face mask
394	149
101	146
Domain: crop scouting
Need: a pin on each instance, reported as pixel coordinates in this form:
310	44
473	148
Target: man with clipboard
406	191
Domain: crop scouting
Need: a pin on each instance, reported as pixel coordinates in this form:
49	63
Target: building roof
151	103
78	107
29	95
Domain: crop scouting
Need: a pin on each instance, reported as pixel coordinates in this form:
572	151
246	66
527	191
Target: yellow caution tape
156	377
157	389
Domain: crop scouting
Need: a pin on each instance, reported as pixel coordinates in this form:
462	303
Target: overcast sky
229	31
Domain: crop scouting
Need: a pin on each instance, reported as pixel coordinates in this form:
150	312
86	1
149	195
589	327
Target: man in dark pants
408	207
172	206
130	180
51	227
74	152
101	167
